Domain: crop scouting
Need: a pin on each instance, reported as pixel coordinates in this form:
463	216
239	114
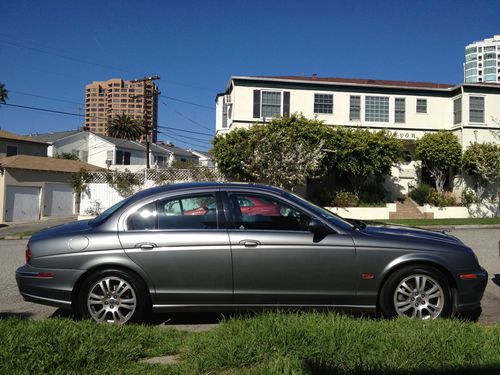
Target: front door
277	261
179	242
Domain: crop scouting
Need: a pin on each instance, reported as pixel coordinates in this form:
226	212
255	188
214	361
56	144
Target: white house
204	158
104	151
408	109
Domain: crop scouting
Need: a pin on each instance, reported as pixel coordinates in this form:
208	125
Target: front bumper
469	292
53	291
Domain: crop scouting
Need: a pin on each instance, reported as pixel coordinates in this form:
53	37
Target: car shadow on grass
11	314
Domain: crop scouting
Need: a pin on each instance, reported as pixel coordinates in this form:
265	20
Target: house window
84	156
421	105
224	114
377	108
355	107
457	110
122	158
399	110
11	150
161	161
271	104
476	109
323	103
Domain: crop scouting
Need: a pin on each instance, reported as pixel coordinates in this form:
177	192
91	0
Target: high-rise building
482	61
106	99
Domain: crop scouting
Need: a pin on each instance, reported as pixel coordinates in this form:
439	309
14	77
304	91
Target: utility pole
145	96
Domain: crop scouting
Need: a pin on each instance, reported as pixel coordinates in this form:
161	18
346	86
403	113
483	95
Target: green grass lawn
428	222
270	343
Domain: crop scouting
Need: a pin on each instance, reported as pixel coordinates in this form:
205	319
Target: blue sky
53	48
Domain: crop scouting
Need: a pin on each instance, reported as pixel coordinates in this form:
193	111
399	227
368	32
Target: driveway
485	242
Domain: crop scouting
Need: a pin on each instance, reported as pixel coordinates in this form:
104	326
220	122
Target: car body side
72	254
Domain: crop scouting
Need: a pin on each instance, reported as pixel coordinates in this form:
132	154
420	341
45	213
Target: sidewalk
7	229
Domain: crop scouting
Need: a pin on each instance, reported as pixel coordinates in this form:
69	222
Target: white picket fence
99	194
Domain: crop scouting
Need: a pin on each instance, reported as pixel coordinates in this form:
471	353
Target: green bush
421	194
373	194
446	199
469	197
345	199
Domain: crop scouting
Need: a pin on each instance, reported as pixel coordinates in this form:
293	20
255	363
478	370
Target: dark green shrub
421	194
469	197
345	199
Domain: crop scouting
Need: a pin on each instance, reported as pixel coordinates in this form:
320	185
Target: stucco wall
23	148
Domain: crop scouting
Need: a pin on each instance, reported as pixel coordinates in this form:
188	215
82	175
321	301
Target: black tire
134	288
388	297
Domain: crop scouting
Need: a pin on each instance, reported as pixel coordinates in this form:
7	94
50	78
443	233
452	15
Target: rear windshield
110	211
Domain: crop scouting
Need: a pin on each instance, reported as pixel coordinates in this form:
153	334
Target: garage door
23	203
59	200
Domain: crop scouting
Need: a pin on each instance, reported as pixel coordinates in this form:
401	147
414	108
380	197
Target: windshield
110	211
324	213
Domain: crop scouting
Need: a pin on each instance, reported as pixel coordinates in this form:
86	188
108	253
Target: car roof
200	185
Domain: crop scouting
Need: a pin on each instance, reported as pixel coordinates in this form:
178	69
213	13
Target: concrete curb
15	238
465	226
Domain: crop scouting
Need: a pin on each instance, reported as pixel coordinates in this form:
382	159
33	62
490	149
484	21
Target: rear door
277	261
181	242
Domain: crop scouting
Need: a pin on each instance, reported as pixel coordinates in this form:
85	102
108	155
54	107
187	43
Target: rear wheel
113	296
420	292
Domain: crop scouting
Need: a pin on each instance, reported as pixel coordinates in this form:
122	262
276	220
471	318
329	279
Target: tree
78	182
359	155
125	127
482	161
67	156
439	152
282	161
4	94
284	152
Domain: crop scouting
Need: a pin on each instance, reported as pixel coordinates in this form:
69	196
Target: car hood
76	227
409	233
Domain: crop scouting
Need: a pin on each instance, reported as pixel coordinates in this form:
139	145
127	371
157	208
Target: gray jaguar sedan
224	246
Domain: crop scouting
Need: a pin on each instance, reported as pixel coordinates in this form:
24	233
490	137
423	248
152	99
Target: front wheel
113	296
420	292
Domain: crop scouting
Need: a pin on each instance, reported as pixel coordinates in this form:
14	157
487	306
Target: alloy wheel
419	296
111	300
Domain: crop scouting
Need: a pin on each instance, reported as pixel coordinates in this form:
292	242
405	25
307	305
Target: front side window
377	108
399	110
271	104
259	212
323	103
476	109
354	107
188	212
421	105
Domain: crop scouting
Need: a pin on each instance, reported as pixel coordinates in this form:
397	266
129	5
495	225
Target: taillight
27	254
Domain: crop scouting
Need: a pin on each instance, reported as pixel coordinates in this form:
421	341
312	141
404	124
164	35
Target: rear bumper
52	291
470	292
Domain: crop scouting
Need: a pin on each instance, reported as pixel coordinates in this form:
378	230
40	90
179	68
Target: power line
43	109
192	143
185	131
45	97
187	102
186	117
81	115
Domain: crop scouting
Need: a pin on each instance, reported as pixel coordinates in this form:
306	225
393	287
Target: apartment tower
482	61
106	99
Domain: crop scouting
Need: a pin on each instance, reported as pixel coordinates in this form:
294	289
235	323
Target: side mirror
316	226
318	229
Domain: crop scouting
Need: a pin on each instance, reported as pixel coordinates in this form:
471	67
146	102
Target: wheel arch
108	266
416	262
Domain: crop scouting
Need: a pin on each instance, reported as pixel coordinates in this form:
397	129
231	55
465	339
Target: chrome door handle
249	243
146	246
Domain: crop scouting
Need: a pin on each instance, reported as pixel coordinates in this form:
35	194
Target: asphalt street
485	242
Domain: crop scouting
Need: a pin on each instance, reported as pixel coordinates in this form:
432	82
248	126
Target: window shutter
256	103
286	103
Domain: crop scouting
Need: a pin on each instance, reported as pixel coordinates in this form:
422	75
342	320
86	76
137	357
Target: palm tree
125	127
4	94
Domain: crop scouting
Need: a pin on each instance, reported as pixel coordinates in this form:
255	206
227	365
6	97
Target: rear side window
188	212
